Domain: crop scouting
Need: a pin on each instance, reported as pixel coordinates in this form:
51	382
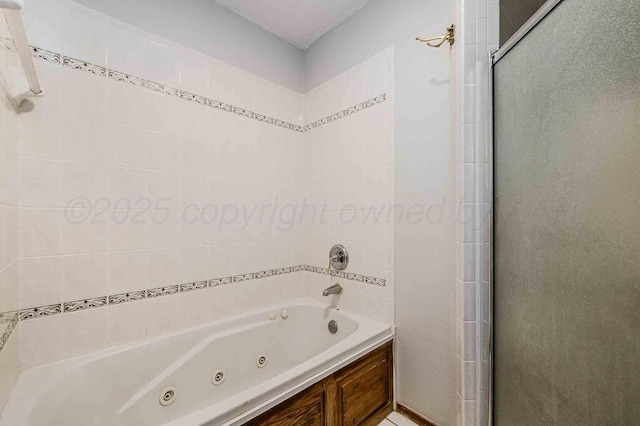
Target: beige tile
165	114
9	292
9	367
84	140
128	146
40	281
8	178
375	260
193	264
192	229
39	134
195	155
196	307
40	183
88	181
129	105
40	232
84	276
84	332
163	189
162	228
40	341
84	230
11	233
126	229
164	152
220	262
400	420
83	94
161	315
127	188
194	191
125	323
162	268
127	271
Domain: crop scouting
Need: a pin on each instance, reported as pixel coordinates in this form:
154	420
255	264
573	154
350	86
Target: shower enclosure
566	249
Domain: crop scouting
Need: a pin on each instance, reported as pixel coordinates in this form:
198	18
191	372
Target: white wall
424	177
211	29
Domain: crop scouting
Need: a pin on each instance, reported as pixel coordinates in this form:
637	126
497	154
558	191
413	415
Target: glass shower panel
567	220
513	15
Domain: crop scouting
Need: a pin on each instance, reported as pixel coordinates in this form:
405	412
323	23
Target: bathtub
256	361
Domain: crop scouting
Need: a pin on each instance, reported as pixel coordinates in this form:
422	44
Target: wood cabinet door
365	390
305	409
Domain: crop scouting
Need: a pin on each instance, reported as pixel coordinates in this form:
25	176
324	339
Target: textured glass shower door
566	295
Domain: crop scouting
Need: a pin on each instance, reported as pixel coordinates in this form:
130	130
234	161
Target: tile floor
395	419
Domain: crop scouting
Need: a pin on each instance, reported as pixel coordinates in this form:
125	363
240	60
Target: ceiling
300	22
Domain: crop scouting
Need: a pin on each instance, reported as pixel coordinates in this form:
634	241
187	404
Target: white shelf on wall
17	86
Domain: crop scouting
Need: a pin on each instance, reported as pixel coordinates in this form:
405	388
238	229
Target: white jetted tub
256	362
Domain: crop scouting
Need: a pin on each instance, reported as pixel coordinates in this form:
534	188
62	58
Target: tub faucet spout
334	289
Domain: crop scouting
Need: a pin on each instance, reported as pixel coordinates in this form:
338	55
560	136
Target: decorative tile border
80	305
193	286
346	112
56	58
380	282
84	66
40	311
11	319
133	296
220	281
163	291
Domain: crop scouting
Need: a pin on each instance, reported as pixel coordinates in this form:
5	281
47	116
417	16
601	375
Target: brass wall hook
449	36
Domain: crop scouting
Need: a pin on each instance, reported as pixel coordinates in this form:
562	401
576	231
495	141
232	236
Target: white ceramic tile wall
351	172
9	285
157	180
478	25
155	174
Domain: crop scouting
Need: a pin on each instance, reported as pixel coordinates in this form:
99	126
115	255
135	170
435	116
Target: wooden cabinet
360	394
307	408
365	389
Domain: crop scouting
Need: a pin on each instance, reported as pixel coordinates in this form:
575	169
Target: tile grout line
58	58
